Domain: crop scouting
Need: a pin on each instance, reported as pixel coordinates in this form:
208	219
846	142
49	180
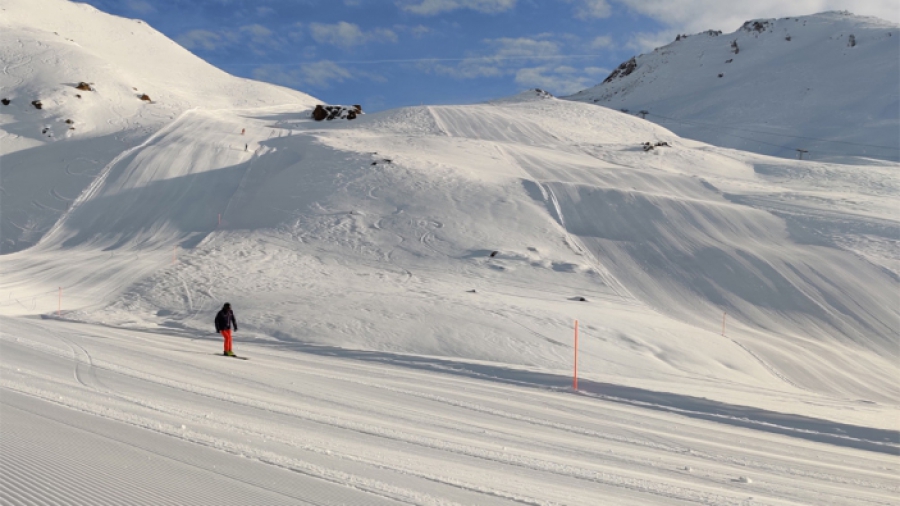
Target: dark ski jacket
225	320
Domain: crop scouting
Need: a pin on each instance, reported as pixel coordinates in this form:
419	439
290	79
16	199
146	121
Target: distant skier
224	322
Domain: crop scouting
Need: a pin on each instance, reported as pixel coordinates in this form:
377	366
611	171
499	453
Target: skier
224	321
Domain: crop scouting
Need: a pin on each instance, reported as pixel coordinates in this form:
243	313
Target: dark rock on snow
330	112
622	70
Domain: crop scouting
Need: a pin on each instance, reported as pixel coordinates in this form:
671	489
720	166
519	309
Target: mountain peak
83	85
824	83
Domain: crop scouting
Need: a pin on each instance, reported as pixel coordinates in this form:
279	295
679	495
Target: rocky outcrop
622	70
83	86
145	98
37	104
757	26
648	146
330	112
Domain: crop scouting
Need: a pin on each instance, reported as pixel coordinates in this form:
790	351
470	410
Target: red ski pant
227	335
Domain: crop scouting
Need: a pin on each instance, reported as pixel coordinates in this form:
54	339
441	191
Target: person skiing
224	321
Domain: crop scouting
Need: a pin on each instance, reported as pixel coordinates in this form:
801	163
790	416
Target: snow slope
95	415
773	86
406	285
47	48
370	234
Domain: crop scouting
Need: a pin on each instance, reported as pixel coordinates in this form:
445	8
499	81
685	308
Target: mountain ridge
824	83
138	82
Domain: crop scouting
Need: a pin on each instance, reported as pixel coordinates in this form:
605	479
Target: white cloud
532	62
318	75
257	31
506	54
321	74
416	31
506	47
296	32
347	35
432	7
602	42
257	37
469	69
200	39
557	79
264	11
645	41
140	6
420	30
596	71
691	16
591	9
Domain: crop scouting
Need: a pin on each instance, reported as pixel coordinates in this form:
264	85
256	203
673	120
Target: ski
233	356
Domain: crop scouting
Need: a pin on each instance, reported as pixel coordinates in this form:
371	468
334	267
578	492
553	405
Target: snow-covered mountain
566	194
825	83
50	155
406	284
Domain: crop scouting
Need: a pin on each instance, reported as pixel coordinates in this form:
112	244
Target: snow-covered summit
825	83
135	81
50	46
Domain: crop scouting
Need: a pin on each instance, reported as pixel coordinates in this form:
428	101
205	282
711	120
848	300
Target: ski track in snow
97	183
346	424
406	285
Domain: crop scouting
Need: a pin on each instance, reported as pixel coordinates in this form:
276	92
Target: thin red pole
575	372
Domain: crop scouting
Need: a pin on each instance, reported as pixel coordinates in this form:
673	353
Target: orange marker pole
575	372
59	307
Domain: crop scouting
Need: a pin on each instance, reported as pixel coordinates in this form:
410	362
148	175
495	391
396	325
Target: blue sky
390	53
